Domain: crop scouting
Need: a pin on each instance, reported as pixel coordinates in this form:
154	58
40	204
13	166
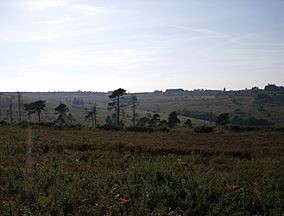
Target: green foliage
236	120
118	93
223	119
62	111
272	88
154	121
121	178
108	127
173	120
35	107
115	97
187	124
139	129
207	116
143	122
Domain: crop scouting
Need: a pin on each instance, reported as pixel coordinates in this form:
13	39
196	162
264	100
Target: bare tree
93	116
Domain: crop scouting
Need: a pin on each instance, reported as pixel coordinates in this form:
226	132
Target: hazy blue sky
140	45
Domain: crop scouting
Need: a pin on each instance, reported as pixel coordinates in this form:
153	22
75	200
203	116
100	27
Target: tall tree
115	97
62	111
93	116
35	107
173	120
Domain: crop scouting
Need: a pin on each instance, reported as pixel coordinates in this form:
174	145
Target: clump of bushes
203	129
237	120
108	127
139	129
238	128
207	116
3	122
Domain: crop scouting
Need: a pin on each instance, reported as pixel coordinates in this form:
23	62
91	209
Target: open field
44	171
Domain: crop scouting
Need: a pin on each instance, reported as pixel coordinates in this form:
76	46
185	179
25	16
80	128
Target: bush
108	127
164	129
3	122
203	129
223	119
139	129
238	128
207	116
236	120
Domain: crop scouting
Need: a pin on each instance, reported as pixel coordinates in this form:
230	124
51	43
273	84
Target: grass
44	171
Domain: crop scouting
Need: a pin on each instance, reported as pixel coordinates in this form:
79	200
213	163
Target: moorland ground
84	171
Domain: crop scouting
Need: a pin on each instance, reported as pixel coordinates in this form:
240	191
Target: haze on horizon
140	45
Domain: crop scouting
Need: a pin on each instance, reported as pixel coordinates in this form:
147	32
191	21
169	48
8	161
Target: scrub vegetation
85	171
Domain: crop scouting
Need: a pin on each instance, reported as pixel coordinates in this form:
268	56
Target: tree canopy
173	120
62	110
35	107
117	93
223	119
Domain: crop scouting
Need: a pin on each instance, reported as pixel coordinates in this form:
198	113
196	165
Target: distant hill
200	105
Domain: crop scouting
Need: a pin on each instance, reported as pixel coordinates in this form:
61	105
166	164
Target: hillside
267	104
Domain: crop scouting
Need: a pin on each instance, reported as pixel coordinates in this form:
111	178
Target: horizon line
150	91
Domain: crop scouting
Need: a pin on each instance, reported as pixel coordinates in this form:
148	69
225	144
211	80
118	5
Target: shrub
238	128
164	129
139	129
3	122
108	127
203	129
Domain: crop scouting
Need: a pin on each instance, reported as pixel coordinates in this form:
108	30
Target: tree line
64	116
114	121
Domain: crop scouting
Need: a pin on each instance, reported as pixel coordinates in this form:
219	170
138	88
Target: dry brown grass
178	141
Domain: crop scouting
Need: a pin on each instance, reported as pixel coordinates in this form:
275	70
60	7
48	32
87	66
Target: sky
140	45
